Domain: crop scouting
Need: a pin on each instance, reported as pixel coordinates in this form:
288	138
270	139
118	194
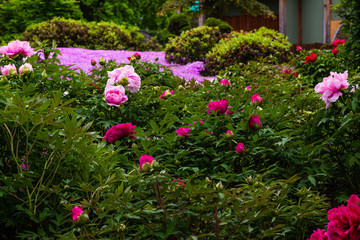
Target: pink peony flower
76	211
256	98
298	48
337	42
194	123
240	148
319	235
115	95
219	106
247	88
15	48
145	159
335	51
344	221
183	131
225	82
125	76
9	69
120	131
26	68
165	95
331	85
254	122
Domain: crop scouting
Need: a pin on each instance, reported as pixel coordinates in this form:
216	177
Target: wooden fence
248	23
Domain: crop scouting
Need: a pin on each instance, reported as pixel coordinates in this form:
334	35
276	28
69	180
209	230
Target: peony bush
94	154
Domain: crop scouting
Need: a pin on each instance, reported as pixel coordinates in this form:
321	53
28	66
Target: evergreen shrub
223	26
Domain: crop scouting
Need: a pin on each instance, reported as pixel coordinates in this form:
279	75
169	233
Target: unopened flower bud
121	227
219	186
44	75
93	62
249	180
102	61
229	135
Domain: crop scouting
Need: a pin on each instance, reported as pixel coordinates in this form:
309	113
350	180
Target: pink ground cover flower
145	159
330	87
119	131
25	68
15	48
240	148
318	235
165	95
125	76
344	221
254	122
219	107
225	82
9	69
183	131
256	98
76	211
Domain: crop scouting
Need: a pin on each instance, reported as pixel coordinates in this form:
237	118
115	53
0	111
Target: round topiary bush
75	33
179	23
223	26
245	47
192	45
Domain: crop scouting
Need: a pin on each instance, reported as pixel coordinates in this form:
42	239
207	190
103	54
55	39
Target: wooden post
201	15
326	21
299	22
282	16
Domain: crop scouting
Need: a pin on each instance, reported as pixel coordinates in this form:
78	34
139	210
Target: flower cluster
335	44
17	48
10	69
121	78
311	58
344	222
120	131
179	182
330	87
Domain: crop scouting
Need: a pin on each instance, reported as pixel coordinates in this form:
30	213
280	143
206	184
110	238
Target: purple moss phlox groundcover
81	58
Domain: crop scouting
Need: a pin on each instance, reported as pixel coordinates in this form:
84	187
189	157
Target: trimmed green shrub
192	45
164	36
245	47
74	33
179	23
223	26
16	15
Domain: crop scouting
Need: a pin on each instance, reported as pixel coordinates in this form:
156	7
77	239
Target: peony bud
102	61
249	180
219	186
229	135
254	122
121	227
44	75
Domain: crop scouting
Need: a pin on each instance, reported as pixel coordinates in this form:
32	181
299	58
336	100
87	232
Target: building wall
312	21
292	20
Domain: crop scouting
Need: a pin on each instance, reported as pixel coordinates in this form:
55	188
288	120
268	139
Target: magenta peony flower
247	88
311	58
256	98
219	106
183	131
125	76
26	68
145	159
254	122
240	148
137	56
225	82
76	211
115	95
319	235
9	69
330	87
165	95
15	48
298	48
344	221
120	131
